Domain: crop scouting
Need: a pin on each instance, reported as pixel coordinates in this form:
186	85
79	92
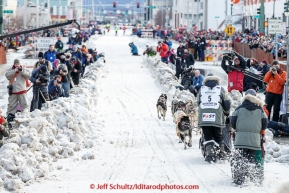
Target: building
9	19
50	11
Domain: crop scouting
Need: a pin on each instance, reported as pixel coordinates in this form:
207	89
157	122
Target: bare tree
160	18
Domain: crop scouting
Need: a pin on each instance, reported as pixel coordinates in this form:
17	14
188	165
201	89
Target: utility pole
59	7
231	9
37	13
25	15
262	17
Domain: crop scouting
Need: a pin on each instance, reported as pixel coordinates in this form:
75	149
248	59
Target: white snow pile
274	151
236	99
65	126
166	79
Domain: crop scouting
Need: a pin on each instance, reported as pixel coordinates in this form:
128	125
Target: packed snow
108	132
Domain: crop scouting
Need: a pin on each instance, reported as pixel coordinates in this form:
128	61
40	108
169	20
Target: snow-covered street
132	146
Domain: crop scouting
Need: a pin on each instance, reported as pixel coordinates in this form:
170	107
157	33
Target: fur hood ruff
208	78
254	100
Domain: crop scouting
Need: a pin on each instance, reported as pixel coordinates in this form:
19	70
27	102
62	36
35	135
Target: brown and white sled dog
184	129
192	112
174	106
180	109
162	106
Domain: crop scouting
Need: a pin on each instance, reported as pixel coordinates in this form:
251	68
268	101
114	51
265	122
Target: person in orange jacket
276	78
162	48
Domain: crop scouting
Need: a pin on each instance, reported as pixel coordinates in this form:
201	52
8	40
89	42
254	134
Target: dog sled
227	134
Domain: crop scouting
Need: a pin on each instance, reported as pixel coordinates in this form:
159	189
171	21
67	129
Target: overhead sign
44	43
283	28
217	16
230	30
229	20
275	26
257	16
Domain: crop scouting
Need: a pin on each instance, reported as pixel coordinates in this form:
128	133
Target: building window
202	5
181	15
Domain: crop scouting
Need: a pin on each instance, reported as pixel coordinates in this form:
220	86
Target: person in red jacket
276	78
162	48
235	75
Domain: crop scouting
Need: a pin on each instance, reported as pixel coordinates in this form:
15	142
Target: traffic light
137	5
265	23
114	11
286	7
114	4
259	11
126	12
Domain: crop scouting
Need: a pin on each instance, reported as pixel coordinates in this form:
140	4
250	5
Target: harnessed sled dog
162	106
184	129
192	112
181	108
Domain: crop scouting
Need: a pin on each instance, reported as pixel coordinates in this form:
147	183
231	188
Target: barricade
147	33
215	49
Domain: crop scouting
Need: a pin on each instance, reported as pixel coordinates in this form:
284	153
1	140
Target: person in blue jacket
168	42
50	55
54	88
134	50
197	82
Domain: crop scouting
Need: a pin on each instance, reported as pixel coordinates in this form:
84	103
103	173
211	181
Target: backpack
60	45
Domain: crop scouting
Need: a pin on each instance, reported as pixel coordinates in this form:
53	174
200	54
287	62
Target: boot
210	152
222	152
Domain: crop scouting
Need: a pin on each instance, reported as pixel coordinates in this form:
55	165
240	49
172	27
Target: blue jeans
66	88
165	60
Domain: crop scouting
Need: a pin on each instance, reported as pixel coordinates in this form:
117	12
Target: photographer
54	88
187	77
62	71
18	77
162	48
77	70
276	78
234	71
42	61
4	132
40	79
187	59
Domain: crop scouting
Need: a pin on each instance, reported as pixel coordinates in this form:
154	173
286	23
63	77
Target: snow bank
274	151
64	126
166	79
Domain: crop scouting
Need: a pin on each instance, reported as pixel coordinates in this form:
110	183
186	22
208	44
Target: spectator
40	80
77	70
187	59
50	55
134	49
264	67
162	48
197	82
168	42
4	132
54	88
18	77
235	74
180	50
76	53
191	45
59	44
276	78
84	49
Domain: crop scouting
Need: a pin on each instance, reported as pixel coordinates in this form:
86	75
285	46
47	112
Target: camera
20	69
58	81
274	68
10	89
43	79
188	70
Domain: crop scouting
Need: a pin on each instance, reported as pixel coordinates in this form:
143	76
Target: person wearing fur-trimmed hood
213	106
250	121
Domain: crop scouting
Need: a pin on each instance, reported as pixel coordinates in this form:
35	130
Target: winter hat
73	59
56	62
74	47
43	68
16	61
40	55
264	61
251	92
210	74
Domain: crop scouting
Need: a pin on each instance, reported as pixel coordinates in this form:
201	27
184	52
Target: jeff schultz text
145	187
